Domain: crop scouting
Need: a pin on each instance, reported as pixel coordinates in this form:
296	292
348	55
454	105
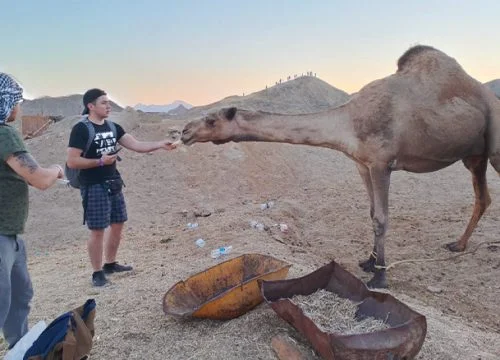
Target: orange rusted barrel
224	291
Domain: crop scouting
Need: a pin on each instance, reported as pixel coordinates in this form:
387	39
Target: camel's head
218	127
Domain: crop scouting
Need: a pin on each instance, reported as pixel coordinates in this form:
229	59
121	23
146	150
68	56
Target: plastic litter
284	228
257	225
224	250
267	205
200	242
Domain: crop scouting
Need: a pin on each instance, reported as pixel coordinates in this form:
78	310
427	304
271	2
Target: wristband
61	171
101	162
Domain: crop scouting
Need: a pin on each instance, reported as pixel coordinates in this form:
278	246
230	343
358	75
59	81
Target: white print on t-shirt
105	142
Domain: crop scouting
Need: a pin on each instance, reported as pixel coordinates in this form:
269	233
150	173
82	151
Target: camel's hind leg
477	166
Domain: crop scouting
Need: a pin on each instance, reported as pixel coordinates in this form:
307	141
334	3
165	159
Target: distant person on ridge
17	169
101	183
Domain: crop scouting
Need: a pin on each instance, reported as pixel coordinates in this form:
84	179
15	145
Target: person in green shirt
18	168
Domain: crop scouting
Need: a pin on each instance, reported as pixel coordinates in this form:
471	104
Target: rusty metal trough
224	291
402	340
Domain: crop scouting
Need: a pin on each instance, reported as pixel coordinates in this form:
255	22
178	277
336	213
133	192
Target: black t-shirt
104	141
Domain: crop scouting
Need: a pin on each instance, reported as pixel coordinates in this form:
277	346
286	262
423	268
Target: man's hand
108	159
60	175
167	145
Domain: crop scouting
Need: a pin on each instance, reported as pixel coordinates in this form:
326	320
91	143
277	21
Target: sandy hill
162	108
57	106
302	95
179	110
495	86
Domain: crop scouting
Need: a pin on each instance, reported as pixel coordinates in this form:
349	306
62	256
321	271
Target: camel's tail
493	140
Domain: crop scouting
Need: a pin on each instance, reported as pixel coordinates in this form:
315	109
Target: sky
159	51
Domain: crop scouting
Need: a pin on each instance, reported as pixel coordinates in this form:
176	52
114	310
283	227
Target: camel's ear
229	113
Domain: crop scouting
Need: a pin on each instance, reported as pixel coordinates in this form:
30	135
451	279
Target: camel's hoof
378	281
368	265
454	247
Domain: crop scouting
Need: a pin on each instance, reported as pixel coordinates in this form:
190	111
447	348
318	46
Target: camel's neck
331	129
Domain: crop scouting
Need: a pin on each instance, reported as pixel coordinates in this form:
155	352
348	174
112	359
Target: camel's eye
210	122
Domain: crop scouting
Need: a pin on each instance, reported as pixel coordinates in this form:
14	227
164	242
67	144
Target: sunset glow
200	51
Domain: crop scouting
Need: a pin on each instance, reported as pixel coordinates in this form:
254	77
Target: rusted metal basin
402	340
224	291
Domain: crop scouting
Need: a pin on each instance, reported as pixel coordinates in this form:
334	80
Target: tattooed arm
26	166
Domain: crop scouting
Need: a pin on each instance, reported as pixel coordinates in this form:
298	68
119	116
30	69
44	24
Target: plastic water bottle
192	225
260	227
18	351
267	205
257	225
224	250
200	242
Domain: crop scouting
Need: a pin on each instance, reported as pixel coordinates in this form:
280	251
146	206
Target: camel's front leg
368	265
381	178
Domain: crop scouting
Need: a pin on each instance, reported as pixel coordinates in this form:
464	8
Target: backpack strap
91	131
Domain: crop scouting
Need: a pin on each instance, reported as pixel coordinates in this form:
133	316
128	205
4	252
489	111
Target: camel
426	116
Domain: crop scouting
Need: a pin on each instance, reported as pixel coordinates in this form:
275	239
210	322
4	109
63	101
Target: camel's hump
412	53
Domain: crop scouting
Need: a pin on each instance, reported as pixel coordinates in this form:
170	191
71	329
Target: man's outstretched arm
131	143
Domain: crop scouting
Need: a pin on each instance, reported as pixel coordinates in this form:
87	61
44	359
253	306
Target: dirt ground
317	193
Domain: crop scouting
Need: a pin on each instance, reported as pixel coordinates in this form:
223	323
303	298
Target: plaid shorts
102	209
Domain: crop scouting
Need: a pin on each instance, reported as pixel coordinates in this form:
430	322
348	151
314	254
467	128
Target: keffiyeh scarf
10	94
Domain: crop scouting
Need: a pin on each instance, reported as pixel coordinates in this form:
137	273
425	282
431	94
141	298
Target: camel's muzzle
187	136
187	139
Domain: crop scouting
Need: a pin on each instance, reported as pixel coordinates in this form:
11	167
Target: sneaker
115	267
99	279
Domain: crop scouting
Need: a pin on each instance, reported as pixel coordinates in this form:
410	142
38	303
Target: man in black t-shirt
103	201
